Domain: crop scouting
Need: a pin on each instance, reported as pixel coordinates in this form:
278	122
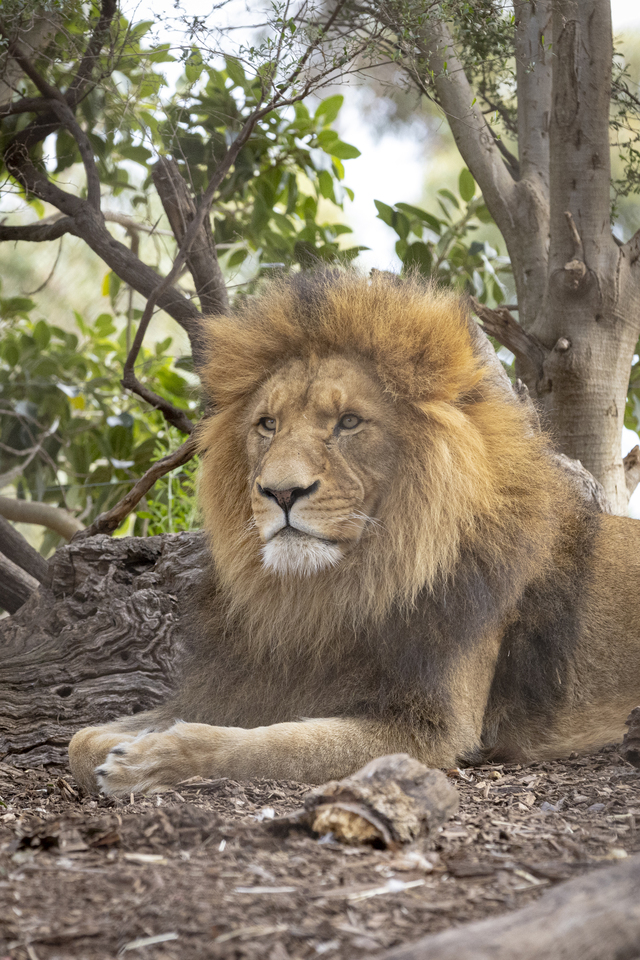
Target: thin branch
24	105
67	118
44	514
39	232
111	520
84	73
32	293
18	549
31	453
111	216
499	323
578	250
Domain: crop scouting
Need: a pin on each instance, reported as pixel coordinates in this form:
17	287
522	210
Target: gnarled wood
102	642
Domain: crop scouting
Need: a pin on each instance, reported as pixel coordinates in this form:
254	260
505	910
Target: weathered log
596	917
392	800
103	641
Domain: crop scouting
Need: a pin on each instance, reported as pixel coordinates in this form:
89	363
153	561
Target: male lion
397	557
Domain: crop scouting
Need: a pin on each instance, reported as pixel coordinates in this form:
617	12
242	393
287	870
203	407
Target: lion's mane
475	489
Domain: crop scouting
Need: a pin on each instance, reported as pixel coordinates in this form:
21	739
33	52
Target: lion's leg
309	751
90	746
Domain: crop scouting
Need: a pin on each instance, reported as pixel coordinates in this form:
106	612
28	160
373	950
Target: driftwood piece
391	801
103	641
630	748
596	917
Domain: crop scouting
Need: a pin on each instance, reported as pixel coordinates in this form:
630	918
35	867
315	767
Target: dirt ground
201	873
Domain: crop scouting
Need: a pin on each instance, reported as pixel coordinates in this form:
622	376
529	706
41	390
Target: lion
399	564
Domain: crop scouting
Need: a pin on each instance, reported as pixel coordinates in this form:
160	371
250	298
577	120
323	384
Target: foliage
69	436
437	246
60	395
270	203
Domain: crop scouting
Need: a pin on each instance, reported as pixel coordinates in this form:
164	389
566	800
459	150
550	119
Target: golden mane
475	480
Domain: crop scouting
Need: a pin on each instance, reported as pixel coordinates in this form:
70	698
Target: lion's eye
267	423
349	421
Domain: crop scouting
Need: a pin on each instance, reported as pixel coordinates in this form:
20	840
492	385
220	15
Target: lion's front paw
136	765
155	761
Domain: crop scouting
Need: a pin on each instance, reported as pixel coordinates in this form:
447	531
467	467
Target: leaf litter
199	872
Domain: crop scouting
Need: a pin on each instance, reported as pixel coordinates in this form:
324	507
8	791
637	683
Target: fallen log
595	917
391	801
102	641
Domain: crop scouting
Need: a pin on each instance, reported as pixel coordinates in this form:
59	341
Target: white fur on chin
299	557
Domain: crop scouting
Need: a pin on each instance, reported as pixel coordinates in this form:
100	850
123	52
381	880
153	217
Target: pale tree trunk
578	290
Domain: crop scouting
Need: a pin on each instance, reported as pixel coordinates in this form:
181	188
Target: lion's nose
286	498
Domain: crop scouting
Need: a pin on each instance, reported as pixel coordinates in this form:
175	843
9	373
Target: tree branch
595	916
16	585
533	78
470	130
201	259
17	549
579	134
33	511
66	116
499	323
111	520
39	232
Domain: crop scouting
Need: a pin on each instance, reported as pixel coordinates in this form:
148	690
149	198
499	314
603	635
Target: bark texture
101	641
578	290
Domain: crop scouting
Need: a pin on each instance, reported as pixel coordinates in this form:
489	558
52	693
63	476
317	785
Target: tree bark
202	259
578	291
592	298
596	917
102	641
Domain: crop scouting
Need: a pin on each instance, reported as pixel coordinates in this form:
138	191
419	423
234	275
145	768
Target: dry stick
111	520
500	324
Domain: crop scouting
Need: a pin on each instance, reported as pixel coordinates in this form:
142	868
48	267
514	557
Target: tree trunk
578	290
102	642
589	318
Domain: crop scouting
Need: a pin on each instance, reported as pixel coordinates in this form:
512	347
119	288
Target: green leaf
419	256
329	109
42	334
450	197
466	185
483	215
385	212
194	65
235	72
344	151
237	257
325	182
422	215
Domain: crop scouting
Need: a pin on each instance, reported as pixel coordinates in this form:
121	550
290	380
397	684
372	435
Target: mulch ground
200	872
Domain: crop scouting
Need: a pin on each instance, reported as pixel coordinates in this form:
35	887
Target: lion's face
321	442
